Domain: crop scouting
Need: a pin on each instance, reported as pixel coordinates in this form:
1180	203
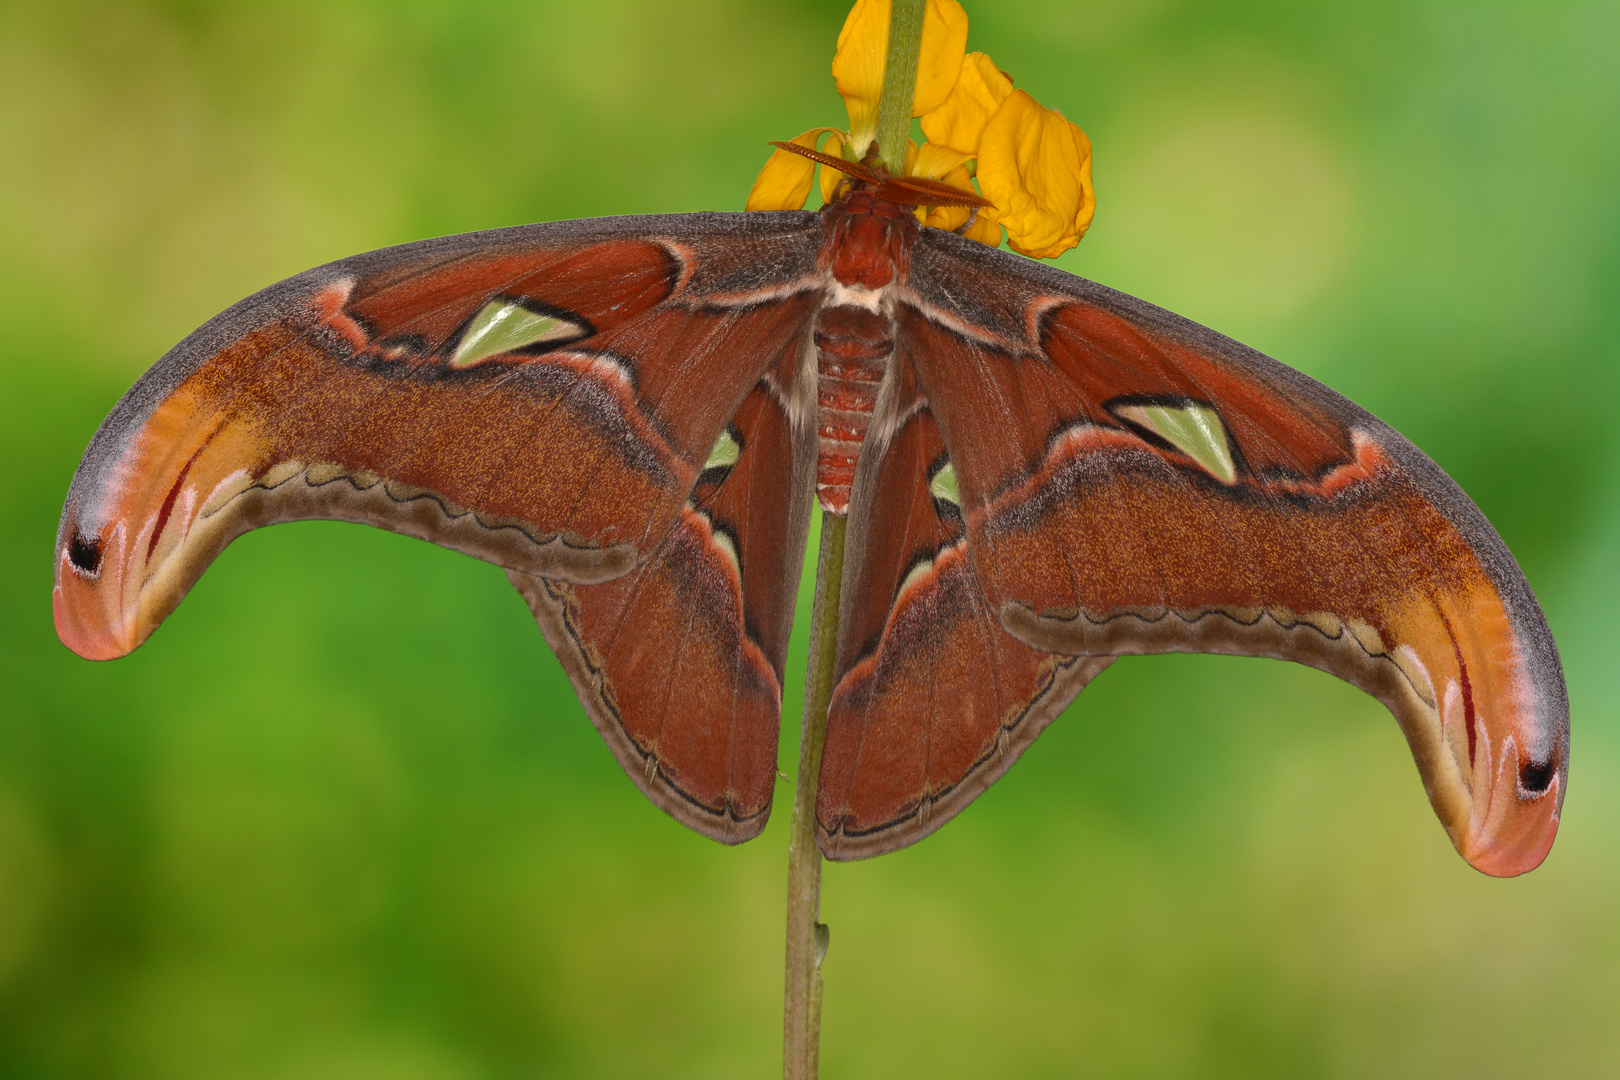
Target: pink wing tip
1518	845
81	618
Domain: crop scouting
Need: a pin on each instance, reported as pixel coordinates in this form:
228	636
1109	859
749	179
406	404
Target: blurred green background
342	816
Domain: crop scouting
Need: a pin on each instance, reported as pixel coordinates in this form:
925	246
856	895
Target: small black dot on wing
84	552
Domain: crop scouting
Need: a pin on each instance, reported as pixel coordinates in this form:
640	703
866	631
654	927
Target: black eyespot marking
84	552
1534	778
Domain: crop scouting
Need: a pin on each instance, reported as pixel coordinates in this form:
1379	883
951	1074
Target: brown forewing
336	394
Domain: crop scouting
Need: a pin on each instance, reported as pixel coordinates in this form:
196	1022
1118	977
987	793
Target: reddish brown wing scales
1066	380
680	663
935	700
525	444
1107	359
763	504
1116	549
1134	483
421	309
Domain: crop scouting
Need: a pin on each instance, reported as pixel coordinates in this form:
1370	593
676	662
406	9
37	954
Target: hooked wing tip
84	633
1515	831
1509	860
85	601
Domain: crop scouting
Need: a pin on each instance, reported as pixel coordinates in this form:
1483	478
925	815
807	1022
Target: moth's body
866	249
853	348
633	416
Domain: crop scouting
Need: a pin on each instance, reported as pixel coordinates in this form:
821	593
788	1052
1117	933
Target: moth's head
868	178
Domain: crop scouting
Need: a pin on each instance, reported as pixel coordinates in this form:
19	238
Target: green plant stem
899	83
806	936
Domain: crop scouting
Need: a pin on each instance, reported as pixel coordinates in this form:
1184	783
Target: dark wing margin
543	397
1132	482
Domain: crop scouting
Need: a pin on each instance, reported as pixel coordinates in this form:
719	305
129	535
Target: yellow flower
979	91
1031	163
1036	167
983	226
784	182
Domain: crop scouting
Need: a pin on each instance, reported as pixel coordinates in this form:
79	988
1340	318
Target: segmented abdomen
853	345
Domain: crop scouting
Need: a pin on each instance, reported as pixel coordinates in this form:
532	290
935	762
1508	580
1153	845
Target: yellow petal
960	120
944	40
935	161
986	228
784	182
920	212
858	68
863	44
950	217
1036	167
830	178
